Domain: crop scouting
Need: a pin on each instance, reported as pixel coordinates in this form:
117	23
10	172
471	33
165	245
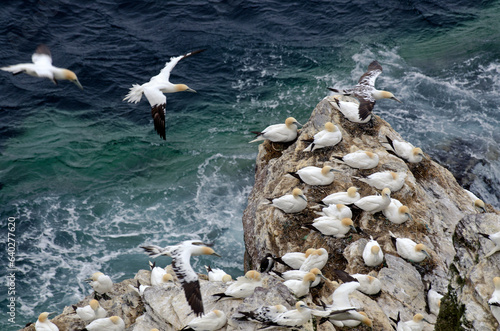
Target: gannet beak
297	123
191	90
335	170
427	254
394	98
409	216
303	197
216	254
353	228
78	84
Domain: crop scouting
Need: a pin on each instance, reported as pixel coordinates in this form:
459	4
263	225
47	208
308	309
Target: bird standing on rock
291	203
328	137
312	175
279	133
43	323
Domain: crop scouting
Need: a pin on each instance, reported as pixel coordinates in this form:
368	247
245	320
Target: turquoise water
88	180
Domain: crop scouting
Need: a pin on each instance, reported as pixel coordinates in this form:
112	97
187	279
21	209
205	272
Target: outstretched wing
42	55
365	108
369	77
165	72
158	102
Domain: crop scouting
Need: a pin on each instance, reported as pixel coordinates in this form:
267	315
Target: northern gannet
214	320
328	137
43	323
279	133
291	203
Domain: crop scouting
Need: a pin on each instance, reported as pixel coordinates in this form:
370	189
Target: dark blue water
88	180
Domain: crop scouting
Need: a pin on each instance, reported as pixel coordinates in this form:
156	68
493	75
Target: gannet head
94	304
404	210
291	121
417	151
315	271
115	319
320	252
375	249
167	278
69	75
96	275
217	313
327	169
208	251
347	222
496	282
371	155
252	274
280	308
309	251
43	317
226	278
297	193
418	318
351	191
479	204
182	88
300	305
309	277
421	248
386	192
330	127
387	95
366	321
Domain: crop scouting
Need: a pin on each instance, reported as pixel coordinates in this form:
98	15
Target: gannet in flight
154	89
366	92
42	67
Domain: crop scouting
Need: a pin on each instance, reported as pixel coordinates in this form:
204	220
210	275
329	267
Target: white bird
243	287
375	203
415	324
42	67
331	226
279	133
346	198
181	256
495	238
369	285
396	212
300	274
328	137
317	259
350	110
338	211
314	175
393	180
91	311
217	275
404	150
291	203
359	159
410	250
159	276
43	323
434	301
301	287
366	92
261	315
494	301
372	254
292	318
214	320
294	260
113	323
476	202
101	284
154	89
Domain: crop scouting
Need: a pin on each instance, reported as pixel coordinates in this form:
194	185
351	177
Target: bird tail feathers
135	94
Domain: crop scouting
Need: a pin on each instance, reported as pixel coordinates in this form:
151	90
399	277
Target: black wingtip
344	276
294	174
487	236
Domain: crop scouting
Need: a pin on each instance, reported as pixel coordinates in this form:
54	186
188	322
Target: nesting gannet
181	255
294	260
43	323
415	324
291	203
372	254
393	180
476	202
263	314
42	67
434	301
217	275
101	284
359	159
375	203
300	288
328	137
331	226
346	198
113	323
368	284
243	287
279	133
291	318
495	238
317	259
314	175
159	276
494	301
267	263
410	250
214	320
300	274
366	92
91	311
154	89
351	110
338	211
404	150
396	212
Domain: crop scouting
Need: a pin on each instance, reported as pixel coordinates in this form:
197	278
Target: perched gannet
300	288
410	250
139	288
346	198
101	284
476	202
331	226
291	203
495	238
43	323
154	89
351	110
214	320
415	324
366	92
494	301
393	180
243	287
372	254
317	259
375	203
434	301
359	159
291	318
113	323
338	211
396	212
328	137
42	67
91	311
279	133
263	314
159	276
267	263
314	175
300	274
181	256
404	150
368	284
217	275
294	260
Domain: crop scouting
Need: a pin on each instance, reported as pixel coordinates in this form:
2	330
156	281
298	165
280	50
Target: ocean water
86	180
